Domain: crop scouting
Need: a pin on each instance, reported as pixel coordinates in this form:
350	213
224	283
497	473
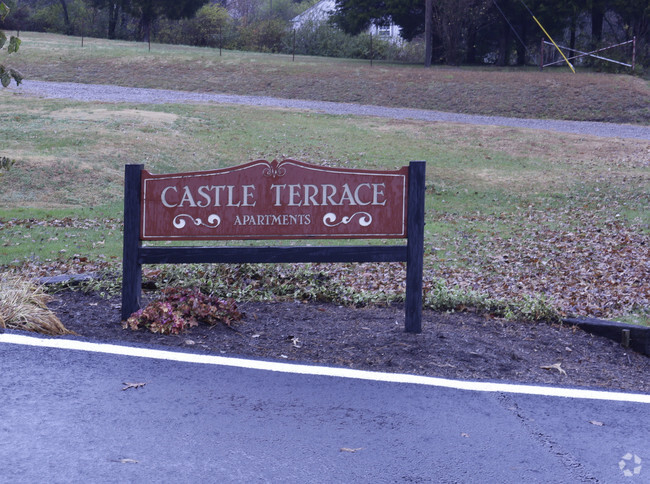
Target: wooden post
633	53
415	247
293	55
541	55
131	265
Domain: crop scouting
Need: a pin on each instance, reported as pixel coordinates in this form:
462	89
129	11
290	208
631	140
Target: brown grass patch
23	306
156	118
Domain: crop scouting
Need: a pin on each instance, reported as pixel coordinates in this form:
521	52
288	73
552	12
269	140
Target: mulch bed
452	345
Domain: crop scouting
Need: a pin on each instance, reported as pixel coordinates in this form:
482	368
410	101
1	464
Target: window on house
384	30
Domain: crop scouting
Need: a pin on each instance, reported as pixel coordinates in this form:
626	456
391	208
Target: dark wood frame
134	254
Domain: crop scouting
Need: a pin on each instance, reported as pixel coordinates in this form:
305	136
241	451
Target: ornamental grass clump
181	309
23	306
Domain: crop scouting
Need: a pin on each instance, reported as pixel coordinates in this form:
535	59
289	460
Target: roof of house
320	11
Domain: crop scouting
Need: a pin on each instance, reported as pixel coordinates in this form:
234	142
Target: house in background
324	9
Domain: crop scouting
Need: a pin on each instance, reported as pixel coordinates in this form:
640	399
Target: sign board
274	200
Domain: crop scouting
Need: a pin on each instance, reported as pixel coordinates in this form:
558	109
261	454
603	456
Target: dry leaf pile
589	261
66	222
589	269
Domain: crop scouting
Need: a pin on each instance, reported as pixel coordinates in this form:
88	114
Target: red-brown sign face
276	200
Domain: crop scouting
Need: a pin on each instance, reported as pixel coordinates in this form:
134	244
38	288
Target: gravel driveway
115	94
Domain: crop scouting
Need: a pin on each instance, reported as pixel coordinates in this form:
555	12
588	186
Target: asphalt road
65	417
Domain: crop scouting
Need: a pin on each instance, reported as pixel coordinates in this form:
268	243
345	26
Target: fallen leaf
555	366
464	435
596	422
126	461
132	385
346	449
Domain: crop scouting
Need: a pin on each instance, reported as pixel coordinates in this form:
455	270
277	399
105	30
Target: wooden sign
274	200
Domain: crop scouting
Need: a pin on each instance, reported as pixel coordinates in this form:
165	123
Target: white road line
322	370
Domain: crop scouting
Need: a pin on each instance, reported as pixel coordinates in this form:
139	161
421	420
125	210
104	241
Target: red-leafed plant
180	309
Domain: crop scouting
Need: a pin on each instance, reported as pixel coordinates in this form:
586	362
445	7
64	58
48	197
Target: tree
66	17
114	9
146	12
356	16
450	21
635	15
598	9
454	19
149	10
512	26
428	32
7	73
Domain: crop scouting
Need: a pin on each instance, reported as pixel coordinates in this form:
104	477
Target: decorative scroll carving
365	219
213	221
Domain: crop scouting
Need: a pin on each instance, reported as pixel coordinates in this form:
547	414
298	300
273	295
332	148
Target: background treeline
500	32
504	32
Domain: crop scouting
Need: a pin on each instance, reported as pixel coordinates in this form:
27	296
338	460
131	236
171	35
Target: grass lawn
511	213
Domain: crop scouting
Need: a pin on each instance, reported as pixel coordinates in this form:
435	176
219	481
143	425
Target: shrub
158	317
207	23
324	39
211	26
180	309
5	163
263	36
49	18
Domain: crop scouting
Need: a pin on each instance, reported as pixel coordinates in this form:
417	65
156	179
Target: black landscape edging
639	336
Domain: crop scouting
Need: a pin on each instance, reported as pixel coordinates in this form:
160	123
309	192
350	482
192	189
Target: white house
324	9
